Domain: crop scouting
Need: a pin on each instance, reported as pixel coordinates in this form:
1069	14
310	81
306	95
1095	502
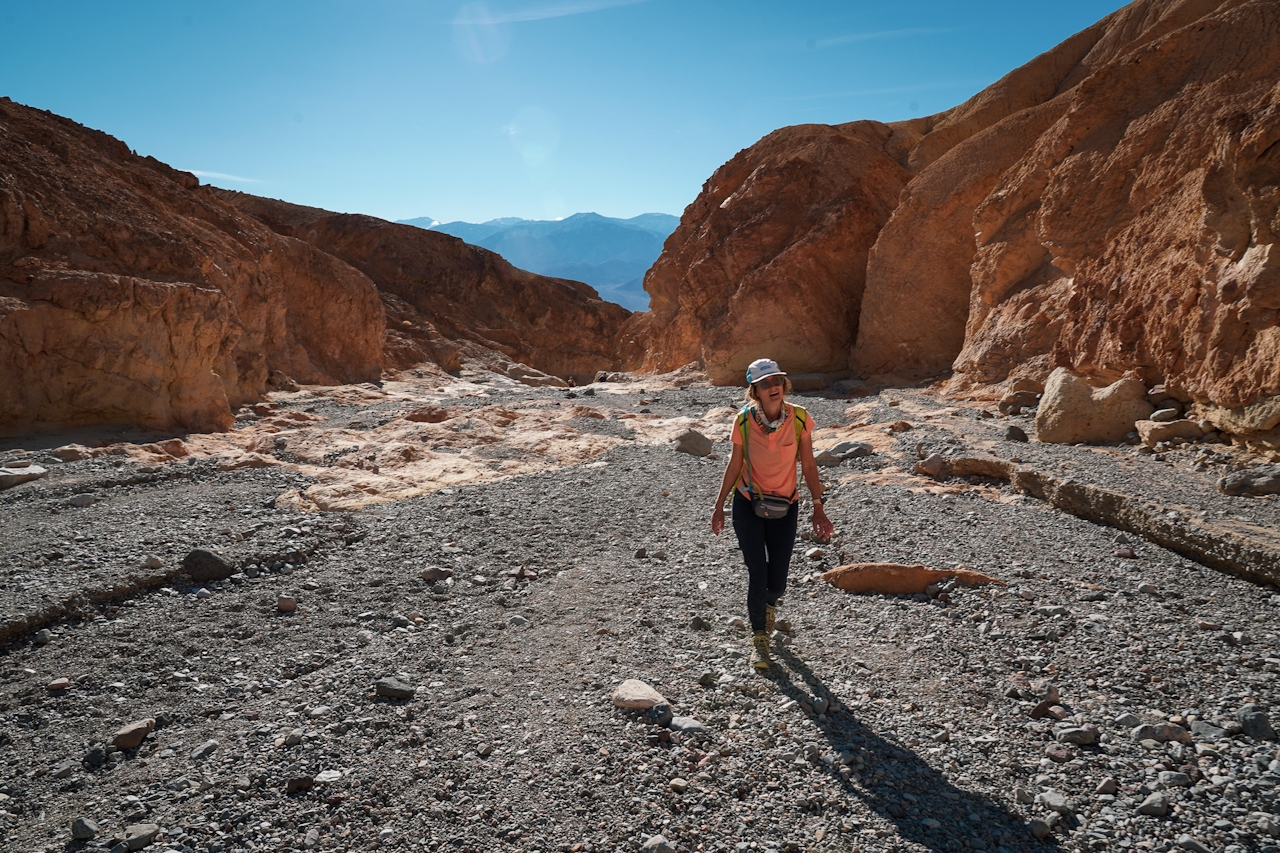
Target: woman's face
771	390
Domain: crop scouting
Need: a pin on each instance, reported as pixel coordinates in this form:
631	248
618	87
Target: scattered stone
1173	779
132	735
1153	432
393	688
1015	433
636	695
932	465
697	623
154	562
1155	805
1195	845
834	456
1059	753
1039	828
204	565
15	473
1126	553
693	442
59	684
657	844
42	637
139	835
1162	732
297	784
1081	736
659	715
518	621
1072	410
286	603
204	750
435	574
688	725
1109	785
1252	482
1255	723
1127	720
678	785
312	839
931	823
83	829
1204	730
81	500
1054	801
327	777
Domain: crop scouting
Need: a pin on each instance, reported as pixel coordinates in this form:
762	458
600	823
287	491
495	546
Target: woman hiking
769	437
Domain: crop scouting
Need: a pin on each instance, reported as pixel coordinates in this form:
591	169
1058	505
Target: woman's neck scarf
757	412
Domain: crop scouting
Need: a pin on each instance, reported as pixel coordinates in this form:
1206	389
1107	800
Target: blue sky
531	108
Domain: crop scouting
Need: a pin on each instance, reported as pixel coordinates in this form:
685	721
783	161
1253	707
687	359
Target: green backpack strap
802	421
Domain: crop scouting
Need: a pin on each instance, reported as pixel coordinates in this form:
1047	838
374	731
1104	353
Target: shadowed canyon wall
1111	206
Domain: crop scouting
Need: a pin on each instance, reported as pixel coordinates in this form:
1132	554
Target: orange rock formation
1111	206
130	294
447	295
770	259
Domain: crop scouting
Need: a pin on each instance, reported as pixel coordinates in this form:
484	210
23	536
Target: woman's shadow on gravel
926	808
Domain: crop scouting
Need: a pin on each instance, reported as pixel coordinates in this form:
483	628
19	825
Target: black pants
766	545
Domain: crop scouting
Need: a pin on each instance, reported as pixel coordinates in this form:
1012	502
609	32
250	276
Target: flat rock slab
139	835
897	579
12	476
393	688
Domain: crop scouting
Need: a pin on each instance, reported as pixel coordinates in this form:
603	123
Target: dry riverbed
1113	695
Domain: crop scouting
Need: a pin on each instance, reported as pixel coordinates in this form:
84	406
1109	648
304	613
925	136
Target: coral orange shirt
772	456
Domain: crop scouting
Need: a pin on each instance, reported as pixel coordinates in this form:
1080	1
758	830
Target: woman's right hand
717	520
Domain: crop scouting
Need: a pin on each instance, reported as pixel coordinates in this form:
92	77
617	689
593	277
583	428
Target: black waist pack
771	506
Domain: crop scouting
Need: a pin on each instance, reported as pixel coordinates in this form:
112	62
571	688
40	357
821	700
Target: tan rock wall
133	295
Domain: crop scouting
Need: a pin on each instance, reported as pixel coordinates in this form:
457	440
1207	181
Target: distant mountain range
611	255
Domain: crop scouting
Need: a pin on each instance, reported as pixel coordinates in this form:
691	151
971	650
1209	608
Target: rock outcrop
131	294
1109	207
770	259
448	297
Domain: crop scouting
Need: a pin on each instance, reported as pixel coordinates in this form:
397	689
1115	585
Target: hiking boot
760	651
770	616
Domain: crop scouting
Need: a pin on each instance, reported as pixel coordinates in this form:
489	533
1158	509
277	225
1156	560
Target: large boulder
1072	410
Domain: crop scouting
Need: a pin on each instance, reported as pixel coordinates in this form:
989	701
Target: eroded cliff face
448	298
770	259
1111	206
130	294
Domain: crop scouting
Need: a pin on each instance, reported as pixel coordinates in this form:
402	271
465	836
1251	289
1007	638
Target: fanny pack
771	506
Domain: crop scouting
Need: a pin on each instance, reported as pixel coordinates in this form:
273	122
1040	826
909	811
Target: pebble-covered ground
1096	702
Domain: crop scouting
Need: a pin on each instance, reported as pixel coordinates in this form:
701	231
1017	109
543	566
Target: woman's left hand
822	526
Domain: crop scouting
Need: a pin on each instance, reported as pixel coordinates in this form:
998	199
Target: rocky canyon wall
130	294
448	297
1111	206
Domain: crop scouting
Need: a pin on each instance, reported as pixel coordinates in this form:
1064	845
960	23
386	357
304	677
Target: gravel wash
1112	696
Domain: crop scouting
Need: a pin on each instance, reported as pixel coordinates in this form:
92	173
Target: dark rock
1255	723
83	828
393	688
204	565
693	442
1015	433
